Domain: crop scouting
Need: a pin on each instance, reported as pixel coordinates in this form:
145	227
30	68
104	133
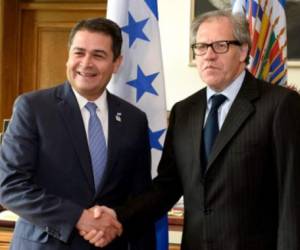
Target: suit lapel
116	119
240	110
68	108
197	114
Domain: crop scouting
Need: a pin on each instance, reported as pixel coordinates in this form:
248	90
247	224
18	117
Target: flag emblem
267	25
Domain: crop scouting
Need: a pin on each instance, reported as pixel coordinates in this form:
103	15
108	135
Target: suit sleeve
18	167
159	198
286	136
145	239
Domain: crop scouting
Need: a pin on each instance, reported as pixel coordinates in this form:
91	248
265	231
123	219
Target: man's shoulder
195	98
274	90
123	104
41	99
43	93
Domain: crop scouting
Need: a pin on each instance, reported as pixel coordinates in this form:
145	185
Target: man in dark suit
48	174
241	191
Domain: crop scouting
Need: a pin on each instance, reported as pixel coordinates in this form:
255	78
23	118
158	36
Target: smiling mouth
86	74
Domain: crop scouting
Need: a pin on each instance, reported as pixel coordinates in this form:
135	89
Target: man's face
219	70
90	64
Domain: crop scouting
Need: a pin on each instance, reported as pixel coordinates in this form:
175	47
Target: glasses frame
227	42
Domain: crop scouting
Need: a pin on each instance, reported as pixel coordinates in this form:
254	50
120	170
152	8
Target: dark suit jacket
249	198
46	175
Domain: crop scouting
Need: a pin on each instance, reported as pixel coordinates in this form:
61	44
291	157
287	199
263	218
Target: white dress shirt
102	111
230	92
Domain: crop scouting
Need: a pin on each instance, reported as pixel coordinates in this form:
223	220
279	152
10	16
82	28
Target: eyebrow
100	51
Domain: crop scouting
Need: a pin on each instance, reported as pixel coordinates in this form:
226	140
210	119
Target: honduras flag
140	79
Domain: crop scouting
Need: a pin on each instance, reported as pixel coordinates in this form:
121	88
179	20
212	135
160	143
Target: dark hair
100	25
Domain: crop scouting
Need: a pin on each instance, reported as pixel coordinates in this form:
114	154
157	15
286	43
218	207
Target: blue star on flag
153	7
154	139
143	83
135	29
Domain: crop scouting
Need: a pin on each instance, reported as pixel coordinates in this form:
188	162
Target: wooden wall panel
34	43
27	53
44	50
8	55
51	50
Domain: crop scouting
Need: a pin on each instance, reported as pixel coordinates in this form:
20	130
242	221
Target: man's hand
99	225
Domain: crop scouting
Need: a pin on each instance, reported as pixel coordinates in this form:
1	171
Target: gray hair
239	22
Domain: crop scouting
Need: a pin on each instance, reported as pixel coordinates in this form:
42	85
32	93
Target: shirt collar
100	101
230	91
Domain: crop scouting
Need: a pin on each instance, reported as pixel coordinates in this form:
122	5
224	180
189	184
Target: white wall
181	80
294	74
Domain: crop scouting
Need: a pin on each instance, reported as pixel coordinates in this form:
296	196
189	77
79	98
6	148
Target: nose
86	61
210	54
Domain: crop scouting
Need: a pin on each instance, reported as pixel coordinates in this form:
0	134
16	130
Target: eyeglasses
219	47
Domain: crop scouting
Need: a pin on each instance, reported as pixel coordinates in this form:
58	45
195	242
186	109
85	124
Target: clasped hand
99	225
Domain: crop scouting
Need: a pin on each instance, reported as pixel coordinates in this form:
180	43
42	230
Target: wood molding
8	62
66	6
25	26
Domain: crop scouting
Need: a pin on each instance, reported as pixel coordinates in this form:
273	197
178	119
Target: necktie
211	128
97	144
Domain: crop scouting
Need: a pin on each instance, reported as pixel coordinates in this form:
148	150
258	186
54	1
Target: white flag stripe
141	56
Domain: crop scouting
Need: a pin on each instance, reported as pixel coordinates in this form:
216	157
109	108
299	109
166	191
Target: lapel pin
118	117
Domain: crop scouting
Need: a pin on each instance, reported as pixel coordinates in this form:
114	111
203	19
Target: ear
244	52
117	63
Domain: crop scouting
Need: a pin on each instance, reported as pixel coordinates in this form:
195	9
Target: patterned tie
211	128
97	144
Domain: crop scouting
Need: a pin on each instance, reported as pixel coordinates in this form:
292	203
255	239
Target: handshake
99	225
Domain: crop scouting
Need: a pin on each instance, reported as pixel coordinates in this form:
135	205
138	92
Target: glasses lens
199	48
220	47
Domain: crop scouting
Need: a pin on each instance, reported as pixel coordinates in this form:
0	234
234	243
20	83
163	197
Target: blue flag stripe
140	79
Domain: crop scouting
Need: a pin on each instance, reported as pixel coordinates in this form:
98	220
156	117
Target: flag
140	79
267	25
